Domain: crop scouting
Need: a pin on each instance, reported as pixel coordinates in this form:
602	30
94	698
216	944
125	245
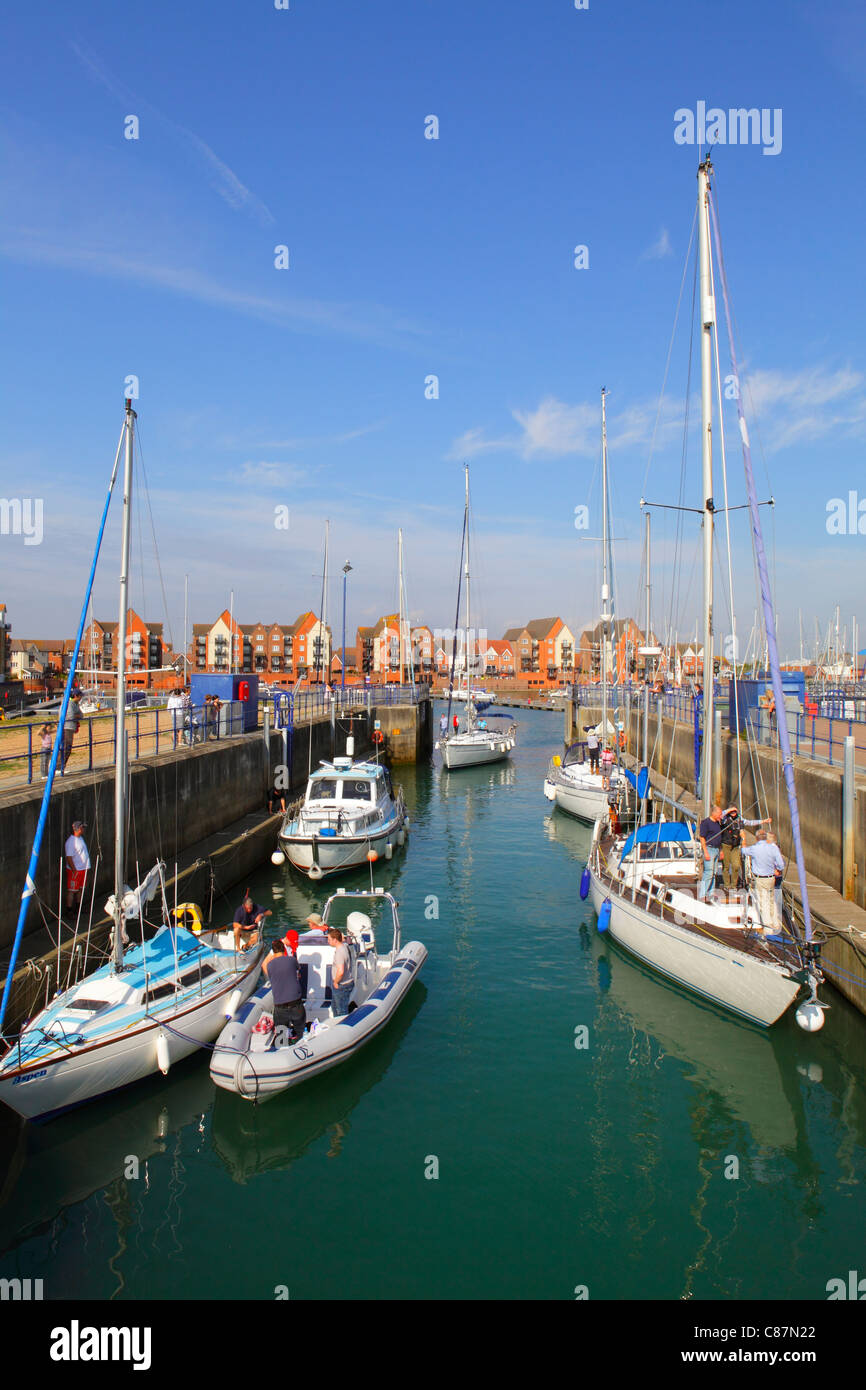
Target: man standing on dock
77	864
766	863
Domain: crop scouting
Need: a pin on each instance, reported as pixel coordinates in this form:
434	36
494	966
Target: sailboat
153	1003
644	885
570	780
484	738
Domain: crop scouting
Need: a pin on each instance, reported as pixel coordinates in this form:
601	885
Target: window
358	791
323	789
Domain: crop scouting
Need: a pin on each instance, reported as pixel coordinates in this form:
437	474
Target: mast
120	712
708	319
605	585
466	514
646	642
400	596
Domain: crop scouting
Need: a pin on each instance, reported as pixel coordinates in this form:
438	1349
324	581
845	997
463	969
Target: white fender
389	850
278	857
315	871
163	1058
401	837
235	1000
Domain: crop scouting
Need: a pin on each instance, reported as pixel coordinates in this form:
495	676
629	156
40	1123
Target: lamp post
346	568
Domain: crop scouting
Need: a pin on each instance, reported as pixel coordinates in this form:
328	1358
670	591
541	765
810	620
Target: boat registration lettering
30	1076
302	1052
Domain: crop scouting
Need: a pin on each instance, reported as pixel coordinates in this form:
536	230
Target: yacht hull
319	856
748	987
48	1087
456	755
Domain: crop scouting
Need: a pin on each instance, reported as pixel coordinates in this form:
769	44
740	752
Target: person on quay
710	832
280	969
767	862
342	981
248	923
71	725
77	864
593	749
174	707
732	840
46	740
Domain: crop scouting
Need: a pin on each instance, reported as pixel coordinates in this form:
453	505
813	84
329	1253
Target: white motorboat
151	1004
252	1057
350	812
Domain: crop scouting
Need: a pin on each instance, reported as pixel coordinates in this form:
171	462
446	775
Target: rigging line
155	545
678	529
671	346
728	537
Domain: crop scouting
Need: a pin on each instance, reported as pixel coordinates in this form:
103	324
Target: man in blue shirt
248	920
281	970
710	832
766	862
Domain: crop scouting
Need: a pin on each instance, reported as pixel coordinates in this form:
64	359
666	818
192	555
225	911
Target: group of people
184	720
605	755
46	734
281	967
721	836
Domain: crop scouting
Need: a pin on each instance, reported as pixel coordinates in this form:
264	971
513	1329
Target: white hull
48	1087
261	1075
462	751
319	855
751	988
586	800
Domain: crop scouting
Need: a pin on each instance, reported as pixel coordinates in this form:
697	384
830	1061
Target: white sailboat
570	780
644	886
483	738
152	1004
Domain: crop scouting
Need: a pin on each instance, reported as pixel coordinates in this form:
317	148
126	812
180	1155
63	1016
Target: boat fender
234	1003
557	760
372	856
278	857
401	837
163	1057
604	915
584	884
406	825
315	871
810	1017
389	850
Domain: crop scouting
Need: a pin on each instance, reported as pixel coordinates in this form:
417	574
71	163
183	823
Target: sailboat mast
646	655
466	513
120	712
605	585
400	592
708	320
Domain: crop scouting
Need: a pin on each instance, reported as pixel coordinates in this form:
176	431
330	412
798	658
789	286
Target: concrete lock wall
177	799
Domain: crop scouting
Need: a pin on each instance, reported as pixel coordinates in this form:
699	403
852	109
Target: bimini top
656	831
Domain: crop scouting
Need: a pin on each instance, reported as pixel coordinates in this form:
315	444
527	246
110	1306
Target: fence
148	732
300	706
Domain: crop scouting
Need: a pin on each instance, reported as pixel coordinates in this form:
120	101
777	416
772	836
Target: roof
540	627
513	633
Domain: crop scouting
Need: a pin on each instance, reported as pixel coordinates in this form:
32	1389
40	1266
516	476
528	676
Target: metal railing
289	708
148	732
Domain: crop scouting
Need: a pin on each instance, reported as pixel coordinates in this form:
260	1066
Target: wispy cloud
802	406
265	474
221	178
555	429
660	248
368	321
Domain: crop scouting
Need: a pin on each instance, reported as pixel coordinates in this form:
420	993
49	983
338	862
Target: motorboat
253	1058
351	814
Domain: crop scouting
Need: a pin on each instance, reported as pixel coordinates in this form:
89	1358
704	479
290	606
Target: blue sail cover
658	831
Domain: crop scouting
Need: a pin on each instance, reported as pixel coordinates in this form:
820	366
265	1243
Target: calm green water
558	1166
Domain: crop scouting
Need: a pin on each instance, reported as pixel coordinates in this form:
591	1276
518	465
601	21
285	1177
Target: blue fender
604	915
584	884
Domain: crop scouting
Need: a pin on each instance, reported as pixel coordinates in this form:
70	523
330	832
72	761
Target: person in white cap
77	864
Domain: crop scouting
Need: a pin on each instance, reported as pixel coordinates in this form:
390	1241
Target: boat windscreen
323	789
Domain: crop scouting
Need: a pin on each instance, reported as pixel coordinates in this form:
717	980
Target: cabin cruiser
255	1059
351	814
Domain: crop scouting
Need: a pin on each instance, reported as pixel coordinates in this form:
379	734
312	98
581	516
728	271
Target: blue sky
408	257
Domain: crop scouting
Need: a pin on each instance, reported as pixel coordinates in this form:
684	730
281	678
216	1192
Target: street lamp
346	568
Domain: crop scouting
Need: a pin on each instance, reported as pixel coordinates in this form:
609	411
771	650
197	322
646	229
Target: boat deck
653	893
